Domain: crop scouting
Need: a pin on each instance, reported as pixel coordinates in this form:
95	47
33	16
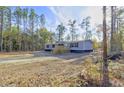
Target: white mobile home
49	47
76	46
81	46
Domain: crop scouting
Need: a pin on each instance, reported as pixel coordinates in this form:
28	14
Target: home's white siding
50	46
83	45
86	45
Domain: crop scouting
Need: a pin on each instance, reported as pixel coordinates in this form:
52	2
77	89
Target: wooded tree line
72	26
117	29
115	40
114	27
22	30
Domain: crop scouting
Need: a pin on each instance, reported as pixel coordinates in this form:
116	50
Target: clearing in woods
45	69
39	68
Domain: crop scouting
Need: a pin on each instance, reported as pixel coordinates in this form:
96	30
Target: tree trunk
72	34
18	33
26	35
10	37
24	25
105	82
1	31
32	35
112	29
114	32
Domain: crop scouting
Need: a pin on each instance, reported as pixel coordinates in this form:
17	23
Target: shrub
90	74
60	50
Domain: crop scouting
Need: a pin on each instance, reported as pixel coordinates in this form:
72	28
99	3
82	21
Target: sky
62	14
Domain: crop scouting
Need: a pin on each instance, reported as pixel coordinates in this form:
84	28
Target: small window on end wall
53	46
47	46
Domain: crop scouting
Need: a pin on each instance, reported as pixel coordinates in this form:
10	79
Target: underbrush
60	50
91	75
59	74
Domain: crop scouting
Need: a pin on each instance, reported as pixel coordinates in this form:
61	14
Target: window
53	46
74	45
47	46
60	44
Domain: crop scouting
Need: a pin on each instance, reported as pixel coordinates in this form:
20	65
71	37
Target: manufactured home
49	47
76	46
81	46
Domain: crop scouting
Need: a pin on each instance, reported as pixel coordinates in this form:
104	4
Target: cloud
63	14
59	13
95	13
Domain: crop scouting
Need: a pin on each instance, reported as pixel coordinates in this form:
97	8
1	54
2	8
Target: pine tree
105	81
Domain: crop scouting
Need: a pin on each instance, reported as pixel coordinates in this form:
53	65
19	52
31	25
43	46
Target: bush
60	50
90	75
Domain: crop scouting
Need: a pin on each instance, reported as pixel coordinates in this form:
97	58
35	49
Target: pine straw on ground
14	54
56	73
39	74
